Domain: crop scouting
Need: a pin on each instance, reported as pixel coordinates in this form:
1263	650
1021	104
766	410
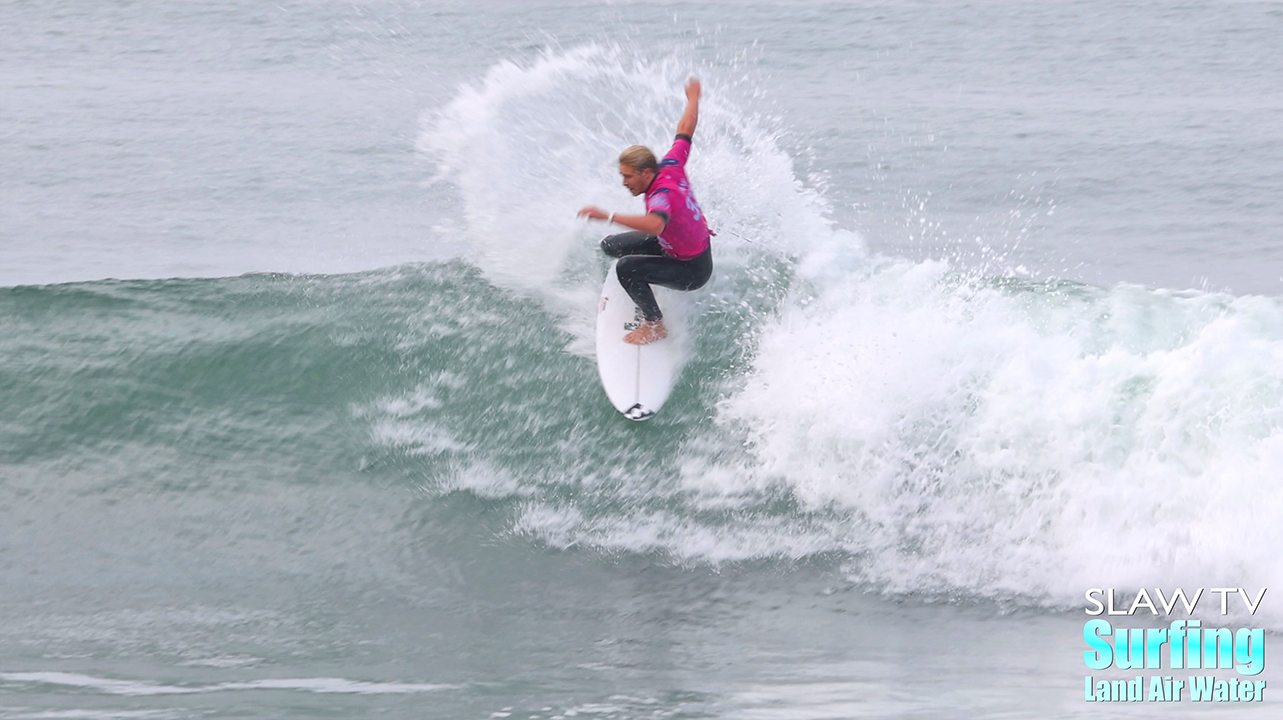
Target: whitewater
931	419
299	413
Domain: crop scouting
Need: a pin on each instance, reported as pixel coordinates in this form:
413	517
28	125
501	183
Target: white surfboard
637	378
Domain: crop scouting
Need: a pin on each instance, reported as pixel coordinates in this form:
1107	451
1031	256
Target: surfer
669	245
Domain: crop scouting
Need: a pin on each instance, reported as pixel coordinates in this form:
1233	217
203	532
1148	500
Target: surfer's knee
626	268
619	245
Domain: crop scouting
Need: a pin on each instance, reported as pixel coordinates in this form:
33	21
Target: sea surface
299	416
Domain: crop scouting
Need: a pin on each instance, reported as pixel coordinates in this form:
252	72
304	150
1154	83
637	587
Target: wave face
939	430
947	429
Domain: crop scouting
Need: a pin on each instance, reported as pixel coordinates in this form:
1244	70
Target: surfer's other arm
650	223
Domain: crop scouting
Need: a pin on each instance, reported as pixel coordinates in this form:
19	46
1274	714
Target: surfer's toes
649	332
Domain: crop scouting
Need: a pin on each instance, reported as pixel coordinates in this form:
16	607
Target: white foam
991	435
85	714
1028	440
137	688
416	438
335	685
485	480
104	685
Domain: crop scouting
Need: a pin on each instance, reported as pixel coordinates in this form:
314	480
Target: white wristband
611	219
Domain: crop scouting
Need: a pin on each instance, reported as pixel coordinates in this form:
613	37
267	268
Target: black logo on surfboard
637	320
637	412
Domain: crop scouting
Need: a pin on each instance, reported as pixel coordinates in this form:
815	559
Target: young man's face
635	181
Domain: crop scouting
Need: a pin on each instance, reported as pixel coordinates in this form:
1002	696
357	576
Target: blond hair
639	158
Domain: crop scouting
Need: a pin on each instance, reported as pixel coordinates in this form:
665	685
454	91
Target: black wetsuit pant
642	263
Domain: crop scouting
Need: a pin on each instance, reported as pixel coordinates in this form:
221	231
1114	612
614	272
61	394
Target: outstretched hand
692	90
593	213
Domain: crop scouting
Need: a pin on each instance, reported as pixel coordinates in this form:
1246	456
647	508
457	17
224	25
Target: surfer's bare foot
649	332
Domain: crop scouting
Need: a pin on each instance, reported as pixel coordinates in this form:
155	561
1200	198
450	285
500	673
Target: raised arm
690	116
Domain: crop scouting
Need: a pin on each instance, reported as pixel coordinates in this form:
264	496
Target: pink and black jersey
686	233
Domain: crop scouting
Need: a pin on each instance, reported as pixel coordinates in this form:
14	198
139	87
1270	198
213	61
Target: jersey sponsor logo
696	212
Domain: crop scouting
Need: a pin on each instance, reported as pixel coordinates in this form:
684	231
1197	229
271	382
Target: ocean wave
948	429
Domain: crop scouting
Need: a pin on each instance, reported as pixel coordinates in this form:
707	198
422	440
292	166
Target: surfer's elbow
655	224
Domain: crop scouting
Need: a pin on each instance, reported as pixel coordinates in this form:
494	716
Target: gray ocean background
299	416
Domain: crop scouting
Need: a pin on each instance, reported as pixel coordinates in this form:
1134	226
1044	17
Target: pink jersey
686	233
